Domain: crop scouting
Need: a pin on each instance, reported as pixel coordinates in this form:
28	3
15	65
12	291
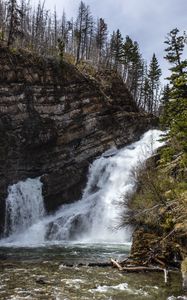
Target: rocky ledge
54	121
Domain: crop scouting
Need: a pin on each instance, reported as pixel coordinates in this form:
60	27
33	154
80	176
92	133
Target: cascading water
24	206
95	217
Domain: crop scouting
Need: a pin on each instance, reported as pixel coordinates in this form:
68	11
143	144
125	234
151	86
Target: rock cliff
54	121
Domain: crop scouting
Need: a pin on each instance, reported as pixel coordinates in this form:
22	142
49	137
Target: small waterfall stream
95	217
24	206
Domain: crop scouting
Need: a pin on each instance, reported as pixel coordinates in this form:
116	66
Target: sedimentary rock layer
54	121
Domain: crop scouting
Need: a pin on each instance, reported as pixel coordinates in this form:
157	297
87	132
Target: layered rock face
54	121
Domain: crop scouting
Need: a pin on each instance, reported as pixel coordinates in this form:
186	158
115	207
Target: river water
46	256
55	272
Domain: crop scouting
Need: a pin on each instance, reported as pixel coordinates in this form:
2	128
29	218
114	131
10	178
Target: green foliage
175	110
167	154
160	202
154	74
154	71
147	203
116	46
13	50
174	52
128	49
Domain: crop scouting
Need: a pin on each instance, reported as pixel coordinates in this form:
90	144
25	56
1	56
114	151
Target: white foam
24	206
95	217
120	287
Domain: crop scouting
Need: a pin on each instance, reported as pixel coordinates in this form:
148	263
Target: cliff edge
55	120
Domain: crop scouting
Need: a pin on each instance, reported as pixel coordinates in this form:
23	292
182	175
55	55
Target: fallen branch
135	268
171	232
159	261
116	264
143	268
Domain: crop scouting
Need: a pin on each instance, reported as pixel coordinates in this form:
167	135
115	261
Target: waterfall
111	179
94	218
24	206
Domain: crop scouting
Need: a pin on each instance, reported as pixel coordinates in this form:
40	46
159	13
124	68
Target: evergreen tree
128	50
175	113
174	52
164	101
116	46
132	67
101	37
165	95
154	74
136	71
145	94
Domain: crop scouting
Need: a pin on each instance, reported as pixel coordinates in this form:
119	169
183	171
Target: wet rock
54	121
41	280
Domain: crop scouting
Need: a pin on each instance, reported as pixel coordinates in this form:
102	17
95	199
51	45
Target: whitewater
92	219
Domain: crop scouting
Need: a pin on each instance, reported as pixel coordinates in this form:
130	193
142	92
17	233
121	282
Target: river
55	273
47	256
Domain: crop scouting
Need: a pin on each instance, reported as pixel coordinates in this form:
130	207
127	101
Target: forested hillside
81	40
159	208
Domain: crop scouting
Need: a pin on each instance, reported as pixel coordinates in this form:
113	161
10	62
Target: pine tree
164	102
116	48
174	51
101	37
145	93
175	113
132	67
165	95
154	74
128	49
136	71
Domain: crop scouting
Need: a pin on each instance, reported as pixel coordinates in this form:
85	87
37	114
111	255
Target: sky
146	21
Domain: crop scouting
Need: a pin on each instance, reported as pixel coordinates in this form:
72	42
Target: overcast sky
146	21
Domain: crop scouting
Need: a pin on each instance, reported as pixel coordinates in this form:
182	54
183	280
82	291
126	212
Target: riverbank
158	213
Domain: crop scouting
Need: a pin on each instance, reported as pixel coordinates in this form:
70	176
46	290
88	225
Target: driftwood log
140	269
135	268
